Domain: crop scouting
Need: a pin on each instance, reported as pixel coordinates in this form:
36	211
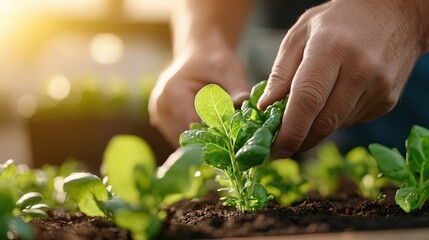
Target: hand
343	62
171	105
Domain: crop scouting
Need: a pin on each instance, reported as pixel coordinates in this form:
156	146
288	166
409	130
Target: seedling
412	172
134	190
360	167
284	181
235	141
17	208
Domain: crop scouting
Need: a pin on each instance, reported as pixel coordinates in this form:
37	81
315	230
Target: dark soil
207	218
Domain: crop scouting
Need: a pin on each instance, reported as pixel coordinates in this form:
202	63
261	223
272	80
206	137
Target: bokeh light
27	105
106	48
59	87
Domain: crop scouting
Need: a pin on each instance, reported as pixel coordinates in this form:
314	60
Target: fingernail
263	96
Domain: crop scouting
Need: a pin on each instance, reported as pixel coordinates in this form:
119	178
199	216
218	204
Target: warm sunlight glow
27	105
106	48
59	87
7	17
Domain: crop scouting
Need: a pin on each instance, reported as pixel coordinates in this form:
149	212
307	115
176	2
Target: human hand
343	62
171	105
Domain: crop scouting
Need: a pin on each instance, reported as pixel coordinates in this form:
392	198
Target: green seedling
325	169
134	189
20	199
361	168
235	141
283	180
412	172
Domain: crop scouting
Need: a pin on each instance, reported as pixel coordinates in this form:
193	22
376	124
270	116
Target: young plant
136	189
283	180
325	169
412	172
19	200
235	141
360	167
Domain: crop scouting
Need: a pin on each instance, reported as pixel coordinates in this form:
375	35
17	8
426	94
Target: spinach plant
134	190
412	172
235	141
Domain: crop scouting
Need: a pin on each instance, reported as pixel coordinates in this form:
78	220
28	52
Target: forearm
213	23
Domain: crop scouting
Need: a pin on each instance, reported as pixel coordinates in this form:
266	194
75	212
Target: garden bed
207	218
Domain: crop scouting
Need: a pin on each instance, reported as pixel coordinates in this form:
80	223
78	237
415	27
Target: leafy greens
235	141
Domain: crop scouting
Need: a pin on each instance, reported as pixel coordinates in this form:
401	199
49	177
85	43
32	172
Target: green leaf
215	107
142	225
214	146
123	154
274	120
217	157
391	163
255	150
237	123
407	198
8	169
202	137
7	198
175	175
29	199
256	93
31	213
245	133
417	153
260	194
86	189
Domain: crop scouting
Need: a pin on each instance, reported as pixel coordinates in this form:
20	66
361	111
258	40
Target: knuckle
311	97
294	139
280	74
323	127
337	41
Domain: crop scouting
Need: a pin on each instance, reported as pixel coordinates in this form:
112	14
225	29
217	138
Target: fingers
341	105
311	86
285	65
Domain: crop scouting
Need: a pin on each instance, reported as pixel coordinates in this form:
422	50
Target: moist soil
207	218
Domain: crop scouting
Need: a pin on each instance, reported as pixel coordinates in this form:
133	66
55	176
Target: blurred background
75	73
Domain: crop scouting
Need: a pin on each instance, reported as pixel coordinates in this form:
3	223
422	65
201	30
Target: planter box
54	140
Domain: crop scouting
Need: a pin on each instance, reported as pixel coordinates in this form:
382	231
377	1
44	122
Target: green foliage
235	141
84	188
412	172
21	197
361	168
283	180
123	154
330	168
134	189
324	171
